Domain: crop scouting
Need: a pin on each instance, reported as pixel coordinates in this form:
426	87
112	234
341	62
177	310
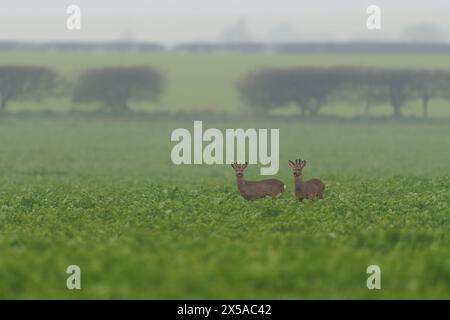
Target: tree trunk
397	112
303	110
425	101
314	111
124	107
3	102
366	109
117	106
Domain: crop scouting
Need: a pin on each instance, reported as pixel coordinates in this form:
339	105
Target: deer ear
303	163
245	165
232	165
291	164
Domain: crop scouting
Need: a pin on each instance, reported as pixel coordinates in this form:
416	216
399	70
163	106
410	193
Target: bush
114	87
429	84
399	86
311	88
25	82
363	88
383	86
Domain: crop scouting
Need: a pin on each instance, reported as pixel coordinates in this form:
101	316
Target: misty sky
173	21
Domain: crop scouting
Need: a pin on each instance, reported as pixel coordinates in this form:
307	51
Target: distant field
207	82
100	191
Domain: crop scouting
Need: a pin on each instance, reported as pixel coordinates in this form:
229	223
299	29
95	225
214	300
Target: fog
172	21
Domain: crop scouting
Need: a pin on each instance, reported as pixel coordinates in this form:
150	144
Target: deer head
297	167
239	169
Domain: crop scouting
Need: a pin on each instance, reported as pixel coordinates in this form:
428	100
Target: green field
99	191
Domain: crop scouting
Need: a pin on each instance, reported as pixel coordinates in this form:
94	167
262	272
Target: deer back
261	189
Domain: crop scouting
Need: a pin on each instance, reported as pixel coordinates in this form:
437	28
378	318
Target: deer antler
302	164
291	164
299	163
237	166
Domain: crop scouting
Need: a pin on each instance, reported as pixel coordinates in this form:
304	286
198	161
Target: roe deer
310	189
252	190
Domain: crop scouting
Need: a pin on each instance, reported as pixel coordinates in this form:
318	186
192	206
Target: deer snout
239	174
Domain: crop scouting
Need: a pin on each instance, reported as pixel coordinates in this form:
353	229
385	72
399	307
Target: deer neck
240	182
298	181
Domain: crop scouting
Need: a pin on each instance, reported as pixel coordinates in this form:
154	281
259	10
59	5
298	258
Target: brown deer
252	190
310	189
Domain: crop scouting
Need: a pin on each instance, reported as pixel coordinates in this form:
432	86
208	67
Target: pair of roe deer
252	190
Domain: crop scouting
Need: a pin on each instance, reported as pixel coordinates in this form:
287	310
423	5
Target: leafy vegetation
100	192
115	86
25	82
311	87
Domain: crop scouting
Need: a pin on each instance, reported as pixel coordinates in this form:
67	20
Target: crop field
99	191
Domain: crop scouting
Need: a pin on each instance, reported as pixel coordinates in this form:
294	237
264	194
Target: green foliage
307	87
310	88
25	82
115	86
100	192
207	83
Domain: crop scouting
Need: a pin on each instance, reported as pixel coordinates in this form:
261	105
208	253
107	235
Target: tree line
251	47
113	87
311	88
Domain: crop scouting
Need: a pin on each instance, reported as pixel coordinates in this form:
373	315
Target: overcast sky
173	21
